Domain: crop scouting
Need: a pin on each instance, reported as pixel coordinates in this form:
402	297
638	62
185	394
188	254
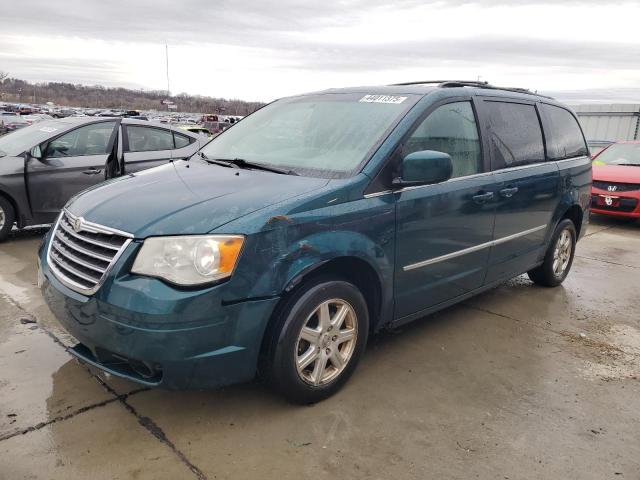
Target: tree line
97	96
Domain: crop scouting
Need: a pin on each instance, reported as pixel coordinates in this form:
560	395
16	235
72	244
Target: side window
564	137
514	133
148	139
88	140
181	140
451	129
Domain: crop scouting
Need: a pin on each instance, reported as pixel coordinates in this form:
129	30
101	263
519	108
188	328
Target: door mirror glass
423	168
36	152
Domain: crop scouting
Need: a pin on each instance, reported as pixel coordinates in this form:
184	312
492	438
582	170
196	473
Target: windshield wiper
215	161
242	163
626	164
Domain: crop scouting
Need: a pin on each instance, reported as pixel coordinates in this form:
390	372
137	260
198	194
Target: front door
71	163
526	189
444	231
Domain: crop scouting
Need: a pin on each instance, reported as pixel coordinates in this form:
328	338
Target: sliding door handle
481	198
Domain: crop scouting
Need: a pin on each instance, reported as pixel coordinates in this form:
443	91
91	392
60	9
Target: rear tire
7	218
559	256
319	337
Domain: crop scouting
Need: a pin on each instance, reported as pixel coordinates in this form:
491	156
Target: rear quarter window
181	140
515	134
563	133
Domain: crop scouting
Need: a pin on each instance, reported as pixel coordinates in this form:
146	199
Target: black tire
545	274
7	218
285	346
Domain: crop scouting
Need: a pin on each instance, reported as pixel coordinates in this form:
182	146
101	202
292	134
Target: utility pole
166	52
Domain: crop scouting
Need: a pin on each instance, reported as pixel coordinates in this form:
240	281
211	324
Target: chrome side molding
475	248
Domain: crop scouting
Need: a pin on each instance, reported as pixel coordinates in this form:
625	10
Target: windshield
620	154
19	141
327	135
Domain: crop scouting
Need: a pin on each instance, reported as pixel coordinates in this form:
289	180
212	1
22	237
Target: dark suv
291	237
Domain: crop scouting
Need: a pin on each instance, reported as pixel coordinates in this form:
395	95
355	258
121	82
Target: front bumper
156	335
623	204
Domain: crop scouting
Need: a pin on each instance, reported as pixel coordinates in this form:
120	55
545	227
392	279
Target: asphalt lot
521	382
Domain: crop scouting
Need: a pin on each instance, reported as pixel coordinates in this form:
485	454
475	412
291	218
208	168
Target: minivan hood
616	173
186	198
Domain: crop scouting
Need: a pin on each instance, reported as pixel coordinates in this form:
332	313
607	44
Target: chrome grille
81	253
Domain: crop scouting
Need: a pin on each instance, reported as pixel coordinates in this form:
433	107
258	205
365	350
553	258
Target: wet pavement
521	382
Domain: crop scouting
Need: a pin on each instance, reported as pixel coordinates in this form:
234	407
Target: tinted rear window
514	133
564	137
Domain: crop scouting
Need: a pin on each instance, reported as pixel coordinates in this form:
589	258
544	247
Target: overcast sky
262	49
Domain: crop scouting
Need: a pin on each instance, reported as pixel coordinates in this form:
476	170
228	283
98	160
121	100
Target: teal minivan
320	219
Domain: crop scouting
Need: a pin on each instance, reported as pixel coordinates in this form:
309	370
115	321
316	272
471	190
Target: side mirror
423	168
36	152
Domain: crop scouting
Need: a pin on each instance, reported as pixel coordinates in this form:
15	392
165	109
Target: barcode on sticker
382	99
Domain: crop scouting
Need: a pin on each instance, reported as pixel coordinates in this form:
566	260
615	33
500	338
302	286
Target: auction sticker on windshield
382	99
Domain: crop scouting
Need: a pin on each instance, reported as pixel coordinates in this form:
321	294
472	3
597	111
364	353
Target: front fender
276	257
313	252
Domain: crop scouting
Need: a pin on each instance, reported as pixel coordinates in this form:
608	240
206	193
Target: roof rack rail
469	83
465	82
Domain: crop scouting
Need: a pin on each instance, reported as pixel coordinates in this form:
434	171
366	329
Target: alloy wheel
562	253
3	218
326	342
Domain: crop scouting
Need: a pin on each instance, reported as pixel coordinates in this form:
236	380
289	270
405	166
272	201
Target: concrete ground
521	382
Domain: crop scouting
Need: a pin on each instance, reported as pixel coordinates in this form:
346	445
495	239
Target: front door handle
482	197
92	171
508	192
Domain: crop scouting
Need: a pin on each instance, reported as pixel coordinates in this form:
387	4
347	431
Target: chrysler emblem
77	224
612	188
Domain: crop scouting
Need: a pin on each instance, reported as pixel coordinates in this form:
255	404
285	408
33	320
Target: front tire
320	335
7	218
559	256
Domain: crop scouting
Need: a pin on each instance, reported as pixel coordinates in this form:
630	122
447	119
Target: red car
616	180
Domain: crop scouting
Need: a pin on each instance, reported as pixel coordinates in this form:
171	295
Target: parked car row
19	116
10	122
290	238
43	165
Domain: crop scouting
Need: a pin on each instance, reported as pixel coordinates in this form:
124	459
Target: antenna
166	51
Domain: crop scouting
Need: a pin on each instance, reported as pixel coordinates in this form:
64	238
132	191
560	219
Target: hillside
97	96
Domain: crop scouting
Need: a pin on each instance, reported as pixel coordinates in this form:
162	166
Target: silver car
45	164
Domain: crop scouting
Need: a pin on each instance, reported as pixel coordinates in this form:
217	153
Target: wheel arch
352	269
576	215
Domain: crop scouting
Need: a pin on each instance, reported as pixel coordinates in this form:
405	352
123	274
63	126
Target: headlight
189	260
